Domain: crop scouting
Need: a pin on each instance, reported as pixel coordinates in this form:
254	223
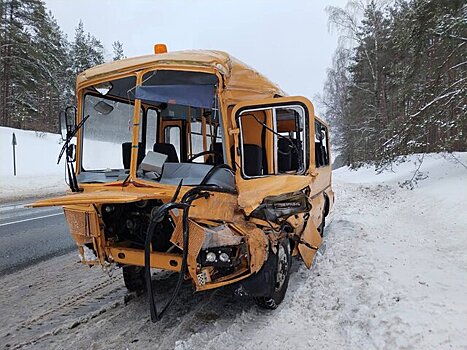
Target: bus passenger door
274	153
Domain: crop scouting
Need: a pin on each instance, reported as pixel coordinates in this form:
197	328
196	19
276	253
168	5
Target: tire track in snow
75	310
75	302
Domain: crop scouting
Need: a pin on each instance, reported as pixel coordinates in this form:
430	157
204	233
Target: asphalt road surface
30	235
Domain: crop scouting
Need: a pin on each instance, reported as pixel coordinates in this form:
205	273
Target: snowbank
444	179
437	166
36	164
38	173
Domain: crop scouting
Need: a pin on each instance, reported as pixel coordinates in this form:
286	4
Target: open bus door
274	155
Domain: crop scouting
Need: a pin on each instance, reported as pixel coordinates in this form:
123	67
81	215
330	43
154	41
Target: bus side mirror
67	121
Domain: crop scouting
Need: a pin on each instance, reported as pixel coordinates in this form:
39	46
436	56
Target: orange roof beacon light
160	48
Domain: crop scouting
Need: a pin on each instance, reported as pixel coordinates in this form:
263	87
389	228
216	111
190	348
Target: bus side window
151	128
321	145
273	141
172	136
325	145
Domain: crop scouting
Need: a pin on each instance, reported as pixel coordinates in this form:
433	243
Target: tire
133	277
320	228
281	277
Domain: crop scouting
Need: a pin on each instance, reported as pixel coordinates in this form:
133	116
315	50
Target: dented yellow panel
195	242
97	197
313	238
253	191
219	207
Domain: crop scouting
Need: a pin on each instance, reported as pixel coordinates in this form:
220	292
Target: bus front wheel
281	277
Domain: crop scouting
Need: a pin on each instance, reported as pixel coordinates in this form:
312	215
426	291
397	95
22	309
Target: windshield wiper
70	136
69	161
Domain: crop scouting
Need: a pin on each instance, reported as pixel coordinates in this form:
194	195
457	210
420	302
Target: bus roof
241	82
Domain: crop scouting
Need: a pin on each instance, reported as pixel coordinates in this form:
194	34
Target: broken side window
321	145
273	141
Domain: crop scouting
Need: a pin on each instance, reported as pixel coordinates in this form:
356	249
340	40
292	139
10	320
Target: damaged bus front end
192	162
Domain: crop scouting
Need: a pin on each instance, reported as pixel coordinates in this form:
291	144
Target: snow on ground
36	164
393	276
38	173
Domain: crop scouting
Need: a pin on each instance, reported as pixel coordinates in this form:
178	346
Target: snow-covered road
393	276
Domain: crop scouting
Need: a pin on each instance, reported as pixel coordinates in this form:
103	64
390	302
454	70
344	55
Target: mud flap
309	244
261	283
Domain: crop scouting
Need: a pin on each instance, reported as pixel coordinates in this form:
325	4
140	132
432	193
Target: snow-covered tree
403	86
117	48
24	68
38	66
86	50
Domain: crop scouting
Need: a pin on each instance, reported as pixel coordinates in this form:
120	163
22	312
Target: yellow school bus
194	162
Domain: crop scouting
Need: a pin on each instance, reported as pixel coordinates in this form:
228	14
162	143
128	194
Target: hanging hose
157	217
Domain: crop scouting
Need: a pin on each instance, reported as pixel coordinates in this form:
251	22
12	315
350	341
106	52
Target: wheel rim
282	267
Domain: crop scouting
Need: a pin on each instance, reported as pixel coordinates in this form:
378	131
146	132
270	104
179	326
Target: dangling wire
156	219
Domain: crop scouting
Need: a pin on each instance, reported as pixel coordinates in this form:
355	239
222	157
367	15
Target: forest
38	64
398	82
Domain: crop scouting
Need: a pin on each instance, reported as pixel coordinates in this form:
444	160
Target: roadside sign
13	144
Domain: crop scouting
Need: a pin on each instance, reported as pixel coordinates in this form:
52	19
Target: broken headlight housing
223	249
221	256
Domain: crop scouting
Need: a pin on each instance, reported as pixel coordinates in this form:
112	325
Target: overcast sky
288	41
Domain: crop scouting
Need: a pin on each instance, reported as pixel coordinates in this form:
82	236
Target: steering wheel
197	155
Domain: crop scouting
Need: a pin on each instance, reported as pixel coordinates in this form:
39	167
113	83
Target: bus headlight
224	257
210	257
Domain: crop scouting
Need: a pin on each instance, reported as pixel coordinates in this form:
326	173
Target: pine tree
18	70
53	54
368	89
405	83
433	61
86	50
118	54
38	66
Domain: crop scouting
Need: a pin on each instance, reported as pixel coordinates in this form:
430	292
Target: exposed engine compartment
128	224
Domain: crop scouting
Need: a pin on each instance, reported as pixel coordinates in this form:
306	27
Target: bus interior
180	118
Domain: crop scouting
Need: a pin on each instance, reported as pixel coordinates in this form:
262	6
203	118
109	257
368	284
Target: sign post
14	143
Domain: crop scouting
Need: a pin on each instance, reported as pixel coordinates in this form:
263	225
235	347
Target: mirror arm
70	178
73	181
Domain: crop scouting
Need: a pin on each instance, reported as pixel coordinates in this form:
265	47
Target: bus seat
284	155
252	160
167	149
318	154
296	155
218	156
